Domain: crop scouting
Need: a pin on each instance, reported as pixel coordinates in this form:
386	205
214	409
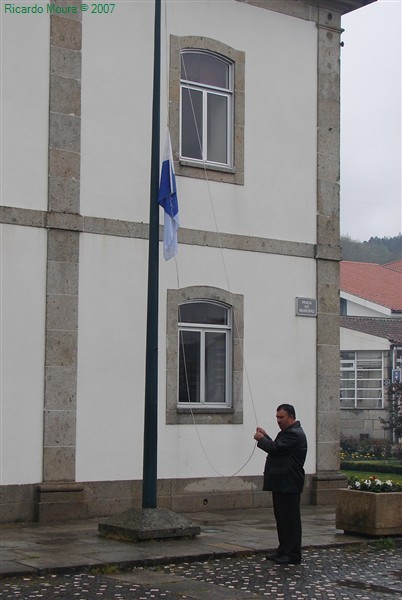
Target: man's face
283	419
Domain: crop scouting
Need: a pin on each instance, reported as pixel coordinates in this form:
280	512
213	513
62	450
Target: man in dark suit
284	477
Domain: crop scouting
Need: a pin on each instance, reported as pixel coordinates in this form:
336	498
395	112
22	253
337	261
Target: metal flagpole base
136	525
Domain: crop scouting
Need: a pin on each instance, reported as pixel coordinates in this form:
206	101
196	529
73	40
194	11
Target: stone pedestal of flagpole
142	524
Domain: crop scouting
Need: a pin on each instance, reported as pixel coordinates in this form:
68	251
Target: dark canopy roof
388	327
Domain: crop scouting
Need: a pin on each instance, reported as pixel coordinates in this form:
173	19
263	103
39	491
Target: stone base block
61	502
324	487
148	524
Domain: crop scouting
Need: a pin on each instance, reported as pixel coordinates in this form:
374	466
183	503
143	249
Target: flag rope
221	250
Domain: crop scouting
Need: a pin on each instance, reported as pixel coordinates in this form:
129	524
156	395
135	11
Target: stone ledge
61	502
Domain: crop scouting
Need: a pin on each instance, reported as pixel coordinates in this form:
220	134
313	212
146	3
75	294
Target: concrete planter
369	513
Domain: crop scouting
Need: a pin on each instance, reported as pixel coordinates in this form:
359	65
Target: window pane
345	355
369	364
370	403
348	384
347	365
347	403
365	392
369	374
203	312
191	124
215	367
189	366
204	68
348	375
217	122
369	355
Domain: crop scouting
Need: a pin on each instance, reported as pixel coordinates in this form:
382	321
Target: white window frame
398	358
204	415
351	365
203	329
207	90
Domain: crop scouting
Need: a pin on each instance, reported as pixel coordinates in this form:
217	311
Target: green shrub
379	466
352	448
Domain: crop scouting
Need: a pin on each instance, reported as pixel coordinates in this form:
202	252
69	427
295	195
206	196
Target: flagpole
152	522
150	477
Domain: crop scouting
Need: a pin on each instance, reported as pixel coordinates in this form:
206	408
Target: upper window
206	124
206	109
205	354
361	383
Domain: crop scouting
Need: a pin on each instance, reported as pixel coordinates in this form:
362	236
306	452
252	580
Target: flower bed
374	484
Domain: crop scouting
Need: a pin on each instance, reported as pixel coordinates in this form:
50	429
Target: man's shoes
272	556
286	560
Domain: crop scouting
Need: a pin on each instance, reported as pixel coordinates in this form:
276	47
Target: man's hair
289	409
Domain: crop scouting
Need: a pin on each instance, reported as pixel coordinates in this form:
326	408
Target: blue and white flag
167	198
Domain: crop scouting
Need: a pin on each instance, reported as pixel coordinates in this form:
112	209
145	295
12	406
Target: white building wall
281	91
271	330
22	280
280	139
116	104
111	356
359	307
24	109
356	340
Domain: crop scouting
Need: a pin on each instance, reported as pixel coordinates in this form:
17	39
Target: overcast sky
371	109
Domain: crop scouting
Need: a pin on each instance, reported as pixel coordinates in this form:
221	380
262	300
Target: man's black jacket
286	455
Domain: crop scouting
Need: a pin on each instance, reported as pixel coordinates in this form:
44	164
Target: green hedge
384	466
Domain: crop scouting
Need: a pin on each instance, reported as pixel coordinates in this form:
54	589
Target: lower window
205	351
204	370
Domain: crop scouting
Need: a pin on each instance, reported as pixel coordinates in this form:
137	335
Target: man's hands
259	433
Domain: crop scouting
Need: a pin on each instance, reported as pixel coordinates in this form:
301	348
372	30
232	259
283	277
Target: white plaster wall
111	357
116	100
279	354
355	340
25	109
278	199
279	360
22	316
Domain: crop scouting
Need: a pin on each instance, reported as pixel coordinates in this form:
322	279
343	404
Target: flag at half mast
167	198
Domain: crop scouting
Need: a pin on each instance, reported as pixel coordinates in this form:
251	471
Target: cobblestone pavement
364	572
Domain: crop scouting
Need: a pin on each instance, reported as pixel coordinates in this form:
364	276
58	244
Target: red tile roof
394	266
381	284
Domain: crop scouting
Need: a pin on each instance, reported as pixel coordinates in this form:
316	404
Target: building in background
371	344
249	313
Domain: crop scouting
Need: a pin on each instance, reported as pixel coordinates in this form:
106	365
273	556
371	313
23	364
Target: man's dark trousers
288	523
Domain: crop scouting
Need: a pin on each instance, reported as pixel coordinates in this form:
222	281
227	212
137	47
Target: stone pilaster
63	249
328	256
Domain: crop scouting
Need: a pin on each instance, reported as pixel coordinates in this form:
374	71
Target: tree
375	250
393	422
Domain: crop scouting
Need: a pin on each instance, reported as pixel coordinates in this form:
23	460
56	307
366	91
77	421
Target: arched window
206	113
205	353
204	361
